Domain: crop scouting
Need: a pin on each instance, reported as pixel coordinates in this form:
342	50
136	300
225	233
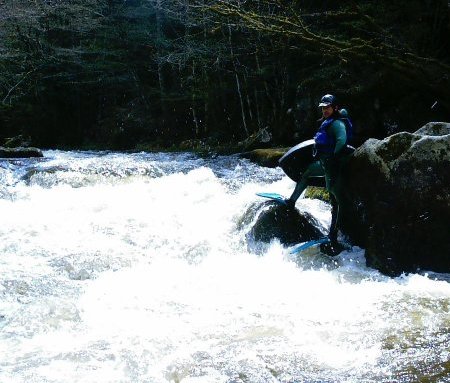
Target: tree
359	47
125	74
67	66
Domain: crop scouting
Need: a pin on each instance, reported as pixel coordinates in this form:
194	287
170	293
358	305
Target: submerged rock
397	200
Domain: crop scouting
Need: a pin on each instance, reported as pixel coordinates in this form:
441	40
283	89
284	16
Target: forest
165	74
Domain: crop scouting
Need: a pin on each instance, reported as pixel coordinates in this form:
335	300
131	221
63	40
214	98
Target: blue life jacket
325	142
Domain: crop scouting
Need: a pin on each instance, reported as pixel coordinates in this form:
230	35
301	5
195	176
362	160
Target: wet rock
17	287
397	200
288	225
80	275
37	171
20	152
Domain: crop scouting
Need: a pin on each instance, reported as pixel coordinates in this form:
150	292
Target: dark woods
155	73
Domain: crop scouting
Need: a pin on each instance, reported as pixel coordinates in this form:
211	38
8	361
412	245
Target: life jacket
325	142
348	125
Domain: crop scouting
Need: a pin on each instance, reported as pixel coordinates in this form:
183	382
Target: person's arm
338	130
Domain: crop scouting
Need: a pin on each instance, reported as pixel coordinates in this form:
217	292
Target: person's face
327	111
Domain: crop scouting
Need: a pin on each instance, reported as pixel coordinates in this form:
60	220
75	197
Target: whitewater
138	267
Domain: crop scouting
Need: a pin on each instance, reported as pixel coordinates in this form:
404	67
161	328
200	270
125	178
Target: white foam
150	279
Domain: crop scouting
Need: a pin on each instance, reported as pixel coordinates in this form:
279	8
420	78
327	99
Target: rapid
138	268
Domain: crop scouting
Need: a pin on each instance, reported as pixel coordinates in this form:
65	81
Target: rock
320	193
20	152
17	141
434	129
260	139
396	201
264	157
288	225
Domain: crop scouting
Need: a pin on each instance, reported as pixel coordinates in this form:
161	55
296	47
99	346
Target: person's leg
335	187
315	169
332	180
333	232
335	196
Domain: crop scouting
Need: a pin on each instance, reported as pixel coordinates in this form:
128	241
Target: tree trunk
238	84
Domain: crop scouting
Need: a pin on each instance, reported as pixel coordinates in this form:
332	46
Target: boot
333	247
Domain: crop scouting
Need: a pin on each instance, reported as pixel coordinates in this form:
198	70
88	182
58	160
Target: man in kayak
330	144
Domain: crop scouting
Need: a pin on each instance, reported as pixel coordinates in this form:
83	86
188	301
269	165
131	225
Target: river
138	268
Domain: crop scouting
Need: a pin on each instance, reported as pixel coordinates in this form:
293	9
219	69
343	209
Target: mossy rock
265	157
396	201
314	192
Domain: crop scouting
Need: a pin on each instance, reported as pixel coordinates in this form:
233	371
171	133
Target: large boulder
396	200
